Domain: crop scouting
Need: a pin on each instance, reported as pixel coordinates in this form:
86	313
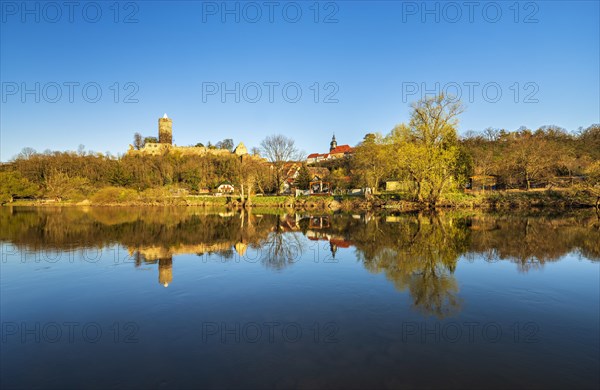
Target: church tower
165	130
333	143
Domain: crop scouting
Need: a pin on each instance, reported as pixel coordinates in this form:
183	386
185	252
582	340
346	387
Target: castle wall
165	144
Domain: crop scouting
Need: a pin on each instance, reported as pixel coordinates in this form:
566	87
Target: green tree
304	178
372	160
337	177
427	148
13	185
227	144
150	140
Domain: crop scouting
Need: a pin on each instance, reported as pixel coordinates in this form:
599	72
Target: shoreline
492	200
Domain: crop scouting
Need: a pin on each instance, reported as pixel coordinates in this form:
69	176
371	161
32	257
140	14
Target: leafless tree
279	149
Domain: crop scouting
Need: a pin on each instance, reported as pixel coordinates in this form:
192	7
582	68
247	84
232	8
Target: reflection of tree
159	231
530	242
281	249
419	254
434	290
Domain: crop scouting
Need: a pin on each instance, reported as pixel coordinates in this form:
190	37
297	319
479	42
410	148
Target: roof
342	149
340	242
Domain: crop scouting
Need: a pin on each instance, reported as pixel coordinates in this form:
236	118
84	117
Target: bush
114	195
158	194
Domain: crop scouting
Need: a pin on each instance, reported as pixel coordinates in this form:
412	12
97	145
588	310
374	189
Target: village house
225	188
292	170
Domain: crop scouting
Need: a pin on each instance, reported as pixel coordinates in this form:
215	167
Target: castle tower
333	143
165	271
165	130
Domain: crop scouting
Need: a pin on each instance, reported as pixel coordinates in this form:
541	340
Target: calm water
181	298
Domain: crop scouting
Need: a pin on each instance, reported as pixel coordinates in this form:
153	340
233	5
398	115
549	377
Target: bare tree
27	153
279	149
491	134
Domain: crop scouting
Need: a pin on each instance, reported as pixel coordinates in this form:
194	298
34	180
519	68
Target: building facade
335	151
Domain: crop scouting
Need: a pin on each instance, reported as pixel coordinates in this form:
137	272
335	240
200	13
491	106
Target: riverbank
500	200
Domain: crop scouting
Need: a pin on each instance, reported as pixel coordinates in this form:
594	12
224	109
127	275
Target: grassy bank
501	200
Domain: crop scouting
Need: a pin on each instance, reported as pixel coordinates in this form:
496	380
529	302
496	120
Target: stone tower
165	271
333	143
165	130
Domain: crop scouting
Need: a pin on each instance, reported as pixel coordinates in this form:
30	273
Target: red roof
342	149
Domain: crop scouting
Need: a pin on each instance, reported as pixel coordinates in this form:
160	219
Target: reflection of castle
319	229
165	271
164	255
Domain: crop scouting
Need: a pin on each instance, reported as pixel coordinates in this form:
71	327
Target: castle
165	144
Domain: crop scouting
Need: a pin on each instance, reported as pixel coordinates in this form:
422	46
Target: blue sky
367	60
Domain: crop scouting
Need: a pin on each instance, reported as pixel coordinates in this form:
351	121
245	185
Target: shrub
114	195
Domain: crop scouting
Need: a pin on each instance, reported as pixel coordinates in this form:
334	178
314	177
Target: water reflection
419	254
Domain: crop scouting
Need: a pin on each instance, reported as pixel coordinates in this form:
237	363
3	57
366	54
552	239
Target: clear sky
357	65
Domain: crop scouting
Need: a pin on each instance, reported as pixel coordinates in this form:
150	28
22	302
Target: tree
427	148
27	153
150	140
138	141
372	160
247	172
303	179
278	149
532	158
13	185
227	144
60	186
592	181
491	134
338	178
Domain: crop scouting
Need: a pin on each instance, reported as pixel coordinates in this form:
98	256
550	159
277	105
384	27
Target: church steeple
333	143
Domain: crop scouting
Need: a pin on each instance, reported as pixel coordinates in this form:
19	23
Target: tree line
428	157
425	155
